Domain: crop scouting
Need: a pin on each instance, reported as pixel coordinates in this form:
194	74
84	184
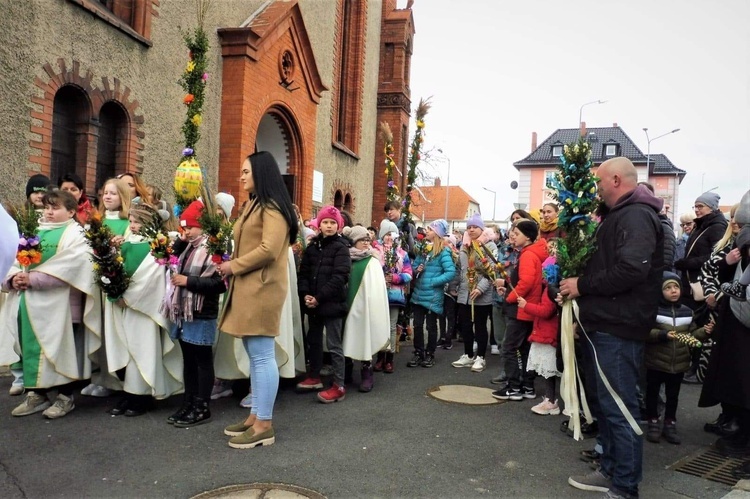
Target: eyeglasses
699	206
686	224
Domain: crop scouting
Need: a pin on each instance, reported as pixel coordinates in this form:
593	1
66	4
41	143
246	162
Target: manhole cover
711	465
261	491
463	394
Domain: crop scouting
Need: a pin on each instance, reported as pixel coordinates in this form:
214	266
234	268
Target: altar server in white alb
140	354
367	327
52	312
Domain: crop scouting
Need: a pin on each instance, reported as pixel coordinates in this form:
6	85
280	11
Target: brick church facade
294	77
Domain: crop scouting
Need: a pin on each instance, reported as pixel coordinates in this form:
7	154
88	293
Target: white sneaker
494	350
88	390
475	347
464	361
62	406
479	365
16	390
100	391
31	404
546	408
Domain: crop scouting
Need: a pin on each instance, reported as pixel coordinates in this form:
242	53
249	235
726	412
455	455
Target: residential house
606	142
428	203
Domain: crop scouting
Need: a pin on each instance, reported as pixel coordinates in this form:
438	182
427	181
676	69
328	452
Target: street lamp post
580	111
494	201
447	183
648	166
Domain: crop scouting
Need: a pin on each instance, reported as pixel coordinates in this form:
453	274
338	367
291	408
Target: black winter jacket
621	285
709	230
324	274
670	242
210	287
663	354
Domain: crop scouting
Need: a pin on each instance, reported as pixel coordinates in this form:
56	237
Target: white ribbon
571	378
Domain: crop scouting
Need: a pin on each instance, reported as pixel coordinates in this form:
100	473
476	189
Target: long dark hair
270	190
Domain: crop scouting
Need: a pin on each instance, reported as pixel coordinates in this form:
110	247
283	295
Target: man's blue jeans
620	360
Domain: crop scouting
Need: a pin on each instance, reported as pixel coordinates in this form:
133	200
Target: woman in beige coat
258	284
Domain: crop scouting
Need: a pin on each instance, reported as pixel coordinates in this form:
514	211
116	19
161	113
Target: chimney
533	141
583	129
437	181
614	124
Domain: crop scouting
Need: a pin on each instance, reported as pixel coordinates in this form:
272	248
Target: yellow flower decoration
420	124
119	259
190	67
197	120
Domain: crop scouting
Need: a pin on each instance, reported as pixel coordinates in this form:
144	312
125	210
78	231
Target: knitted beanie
476	221
742	215
440	227
710	199
356	233
387	227
330	212
528	228
190	216
225	202
37	183
669	278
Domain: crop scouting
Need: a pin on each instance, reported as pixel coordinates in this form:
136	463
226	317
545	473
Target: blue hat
440	227
475	220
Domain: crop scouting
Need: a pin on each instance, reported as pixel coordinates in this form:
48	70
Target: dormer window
557	151
610	150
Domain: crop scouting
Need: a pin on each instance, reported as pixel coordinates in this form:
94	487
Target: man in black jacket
618	295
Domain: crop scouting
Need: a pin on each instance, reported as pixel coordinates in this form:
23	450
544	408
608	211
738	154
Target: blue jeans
620	360
264	374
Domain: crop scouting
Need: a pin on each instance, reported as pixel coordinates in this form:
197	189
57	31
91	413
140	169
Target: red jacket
545	320
529	276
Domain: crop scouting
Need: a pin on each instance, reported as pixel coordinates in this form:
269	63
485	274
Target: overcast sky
499	70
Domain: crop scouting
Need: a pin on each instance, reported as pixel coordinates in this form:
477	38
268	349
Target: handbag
696	288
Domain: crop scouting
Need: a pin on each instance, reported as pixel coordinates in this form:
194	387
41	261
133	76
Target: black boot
714	426
198	414
729	427
187	404
348	370
138	405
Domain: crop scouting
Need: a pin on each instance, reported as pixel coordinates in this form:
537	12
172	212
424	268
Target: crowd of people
308	298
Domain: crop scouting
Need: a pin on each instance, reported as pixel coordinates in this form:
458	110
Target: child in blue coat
435	269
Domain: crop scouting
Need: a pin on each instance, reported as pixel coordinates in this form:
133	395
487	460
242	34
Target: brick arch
344	190
110	91
295	149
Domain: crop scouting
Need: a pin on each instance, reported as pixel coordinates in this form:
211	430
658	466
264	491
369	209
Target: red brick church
294	78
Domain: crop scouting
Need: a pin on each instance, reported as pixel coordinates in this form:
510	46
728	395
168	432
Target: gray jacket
483	284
